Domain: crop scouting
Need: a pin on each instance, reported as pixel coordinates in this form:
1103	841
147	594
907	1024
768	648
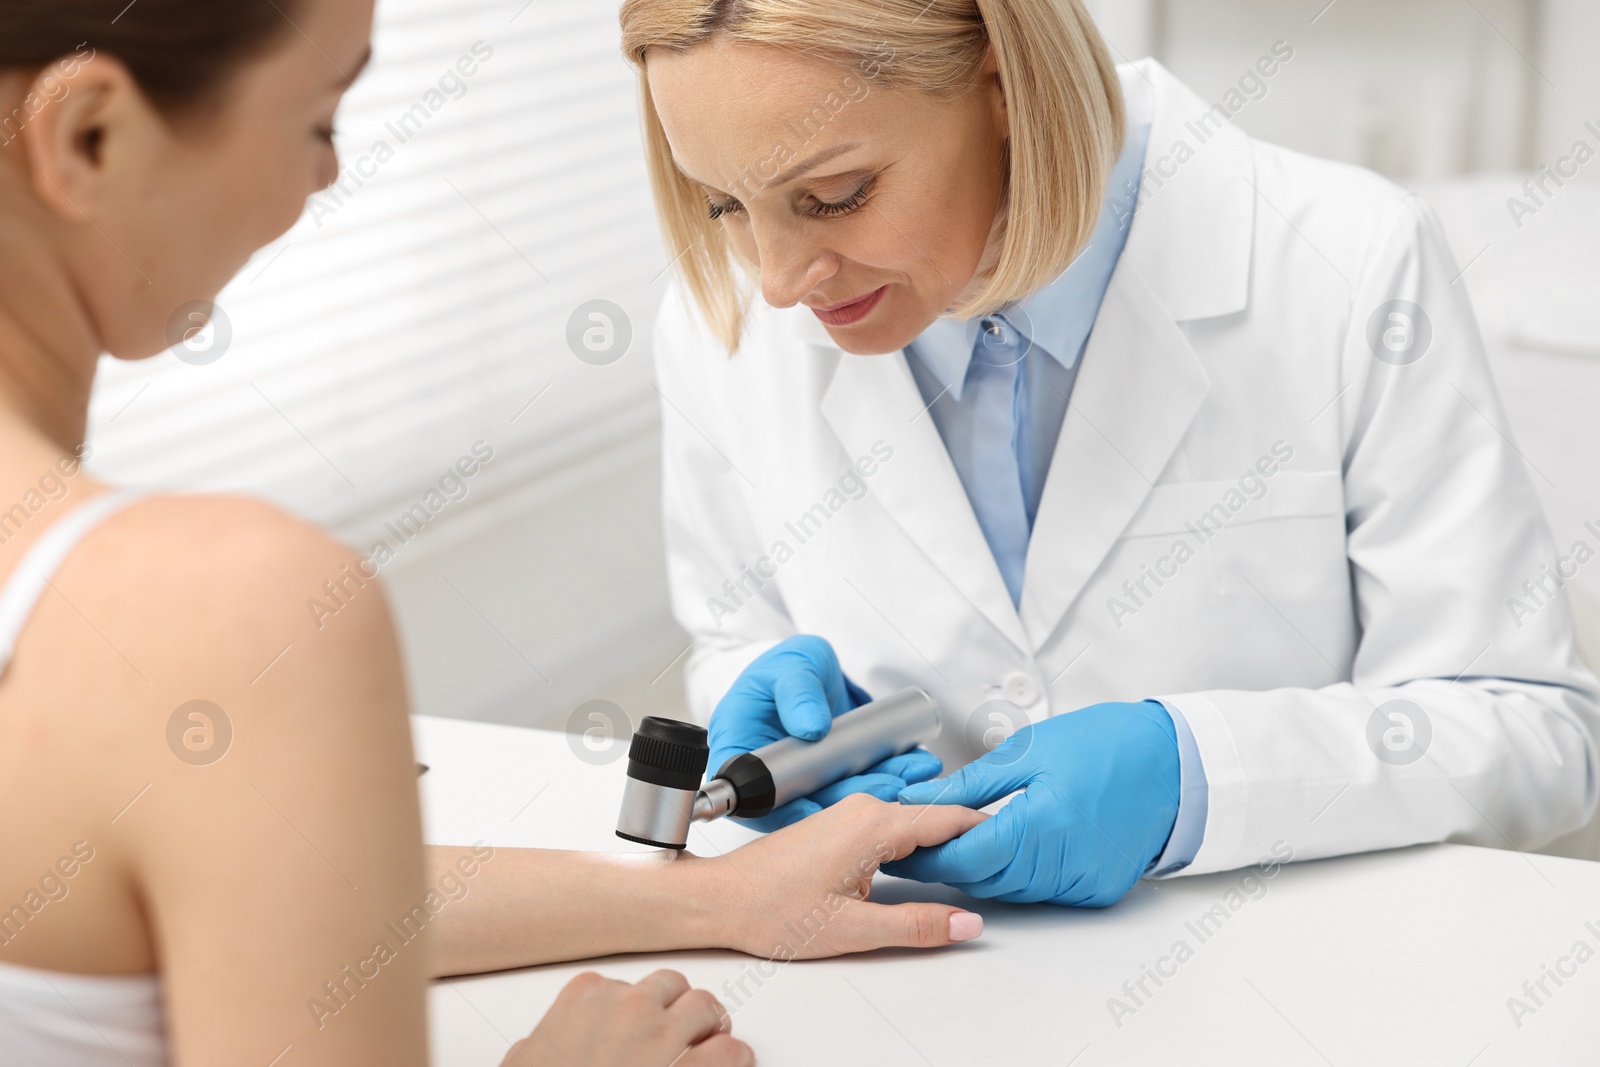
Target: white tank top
49	1018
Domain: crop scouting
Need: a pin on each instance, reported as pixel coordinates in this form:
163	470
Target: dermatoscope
667	758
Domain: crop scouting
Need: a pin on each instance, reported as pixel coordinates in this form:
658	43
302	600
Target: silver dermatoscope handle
663	794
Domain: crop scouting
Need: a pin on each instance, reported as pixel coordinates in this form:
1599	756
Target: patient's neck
48	345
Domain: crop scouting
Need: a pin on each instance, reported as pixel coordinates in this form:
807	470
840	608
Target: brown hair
181	52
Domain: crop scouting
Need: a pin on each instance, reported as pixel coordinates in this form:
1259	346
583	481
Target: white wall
537	610
1569	55
1415	89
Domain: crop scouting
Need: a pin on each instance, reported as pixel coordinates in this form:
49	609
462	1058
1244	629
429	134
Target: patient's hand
601	1022
801	892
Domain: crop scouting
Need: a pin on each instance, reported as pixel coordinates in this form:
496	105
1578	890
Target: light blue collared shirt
1000	413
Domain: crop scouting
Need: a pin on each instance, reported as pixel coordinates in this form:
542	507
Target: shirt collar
1058	317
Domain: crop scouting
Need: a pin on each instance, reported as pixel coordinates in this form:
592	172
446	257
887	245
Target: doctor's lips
851	311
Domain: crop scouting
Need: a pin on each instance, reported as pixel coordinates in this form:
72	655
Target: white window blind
422	304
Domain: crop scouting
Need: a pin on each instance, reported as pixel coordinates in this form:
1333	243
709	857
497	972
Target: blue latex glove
1099	801
797	688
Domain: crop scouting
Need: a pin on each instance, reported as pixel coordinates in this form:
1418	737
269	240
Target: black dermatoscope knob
666	762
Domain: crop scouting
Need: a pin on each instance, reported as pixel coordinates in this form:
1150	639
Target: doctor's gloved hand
797	688
1100	796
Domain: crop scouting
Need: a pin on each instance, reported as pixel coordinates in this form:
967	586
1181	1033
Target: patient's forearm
527	906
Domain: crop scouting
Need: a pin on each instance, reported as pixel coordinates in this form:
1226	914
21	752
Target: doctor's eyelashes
813	205
833	209
717	209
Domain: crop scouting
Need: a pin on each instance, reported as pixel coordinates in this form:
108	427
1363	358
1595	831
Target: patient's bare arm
520	907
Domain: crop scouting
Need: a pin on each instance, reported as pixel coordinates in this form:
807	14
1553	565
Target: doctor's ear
88	124
989	81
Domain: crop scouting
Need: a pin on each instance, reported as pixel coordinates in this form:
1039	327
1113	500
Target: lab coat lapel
873	398
1139	389
1141	383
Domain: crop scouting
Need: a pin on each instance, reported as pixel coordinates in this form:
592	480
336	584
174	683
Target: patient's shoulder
173	681
216	592
220	540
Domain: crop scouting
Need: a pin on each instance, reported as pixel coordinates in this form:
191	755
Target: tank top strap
27	582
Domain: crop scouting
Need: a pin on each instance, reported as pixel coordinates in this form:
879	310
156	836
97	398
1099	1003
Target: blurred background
423	307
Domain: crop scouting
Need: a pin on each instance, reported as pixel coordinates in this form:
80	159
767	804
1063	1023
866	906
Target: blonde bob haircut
1063	105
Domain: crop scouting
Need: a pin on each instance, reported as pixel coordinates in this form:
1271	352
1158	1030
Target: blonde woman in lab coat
1167	461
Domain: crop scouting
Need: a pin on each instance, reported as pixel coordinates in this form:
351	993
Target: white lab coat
1396	523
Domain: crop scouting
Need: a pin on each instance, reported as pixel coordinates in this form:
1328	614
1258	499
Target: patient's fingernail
965	925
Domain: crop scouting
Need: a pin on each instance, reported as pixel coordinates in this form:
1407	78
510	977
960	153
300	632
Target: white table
1403	957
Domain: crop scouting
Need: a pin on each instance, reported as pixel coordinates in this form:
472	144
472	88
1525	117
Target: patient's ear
89	125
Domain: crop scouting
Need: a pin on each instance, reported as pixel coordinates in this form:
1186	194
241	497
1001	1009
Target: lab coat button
1020	688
